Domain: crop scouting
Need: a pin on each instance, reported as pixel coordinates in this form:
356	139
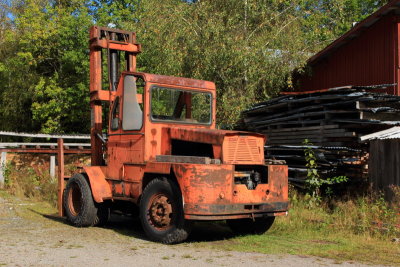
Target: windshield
168	104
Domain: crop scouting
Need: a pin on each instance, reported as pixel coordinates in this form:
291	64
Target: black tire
161	212
103	214
79	205
248	226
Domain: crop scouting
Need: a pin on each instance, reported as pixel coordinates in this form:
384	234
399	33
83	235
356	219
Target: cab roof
171	80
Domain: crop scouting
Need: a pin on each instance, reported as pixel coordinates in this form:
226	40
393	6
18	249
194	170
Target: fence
58	149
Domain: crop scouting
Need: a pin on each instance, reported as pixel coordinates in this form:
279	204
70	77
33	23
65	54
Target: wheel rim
159	212
75	199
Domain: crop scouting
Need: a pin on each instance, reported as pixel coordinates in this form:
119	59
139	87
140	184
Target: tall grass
28	176
350	229
369	215
26	182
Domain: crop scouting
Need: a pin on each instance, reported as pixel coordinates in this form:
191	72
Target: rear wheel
248	226
161	212
79	205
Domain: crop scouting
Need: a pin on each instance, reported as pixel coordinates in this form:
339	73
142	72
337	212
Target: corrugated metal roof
392	133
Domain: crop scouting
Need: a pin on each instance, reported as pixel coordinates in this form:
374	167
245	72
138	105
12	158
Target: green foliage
27	175
172	104
6	174
249	48
46	75
314	180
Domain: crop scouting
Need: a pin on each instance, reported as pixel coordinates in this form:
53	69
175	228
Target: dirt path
31	238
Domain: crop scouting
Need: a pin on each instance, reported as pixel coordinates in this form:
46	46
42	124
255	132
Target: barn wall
368	59
384	167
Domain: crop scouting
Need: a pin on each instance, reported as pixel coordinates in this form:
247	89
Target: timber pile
332	120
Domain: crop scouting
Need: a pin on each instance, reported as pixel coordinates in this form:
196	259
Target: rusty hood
208	136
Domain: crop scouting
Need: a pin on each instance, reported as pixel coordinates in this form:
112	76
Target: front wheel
161	212
248	226
79	205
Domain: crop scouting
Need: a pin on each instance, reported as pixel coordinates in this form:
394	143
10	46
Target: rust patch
204	183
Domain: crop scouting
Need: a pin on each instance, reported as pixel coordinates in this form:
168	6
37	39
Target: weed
395	200
28	176
165	258
314	180
74	246
187	256
6	174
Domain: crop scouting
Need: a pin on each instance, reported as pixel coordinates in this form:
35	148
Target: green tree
247	47
48	73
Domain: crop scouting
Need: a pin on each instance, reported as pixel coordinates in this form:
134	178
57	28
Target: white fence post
52	166
2	168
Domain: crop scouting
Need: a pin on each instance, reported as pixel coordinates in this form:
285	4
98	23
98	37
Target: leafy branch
314	180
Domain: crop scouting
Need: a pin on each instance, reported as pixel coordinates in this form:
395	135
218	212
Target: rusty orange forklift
164	155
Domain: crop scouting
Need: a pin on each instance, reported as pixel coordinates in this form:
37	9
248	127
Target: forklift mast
110	46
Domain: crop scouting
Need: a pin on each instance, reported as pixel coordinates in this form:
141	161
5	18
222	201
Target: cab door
132	136
126	136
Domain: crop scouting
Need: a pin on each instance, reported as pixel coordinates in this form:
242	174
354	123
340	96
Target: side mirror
115	124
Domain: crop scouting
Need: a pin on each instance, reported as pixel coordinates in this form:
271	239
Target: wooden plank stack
332	120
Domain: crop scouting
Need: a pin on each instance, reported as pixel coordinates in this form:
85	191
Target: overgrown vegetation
369	215
248	47
314	180
360	229
27	176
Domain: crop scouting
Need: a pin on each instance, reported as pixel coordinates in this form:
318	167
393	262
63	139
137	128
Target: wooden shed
367	54
384	159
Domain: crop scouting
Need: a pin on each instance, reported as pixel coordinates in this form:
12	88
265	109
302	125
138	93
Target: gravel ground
34	239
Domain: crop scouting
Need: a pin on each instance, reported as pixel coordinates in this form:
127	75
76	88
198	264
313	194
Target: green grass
316	243
341	233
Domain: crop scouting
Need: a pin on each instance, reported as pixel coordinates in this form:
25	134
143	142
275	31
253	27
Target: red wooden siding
368	59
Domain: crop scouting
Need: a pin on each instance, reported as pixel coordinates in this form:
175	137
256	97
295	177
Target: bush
368	215
28	176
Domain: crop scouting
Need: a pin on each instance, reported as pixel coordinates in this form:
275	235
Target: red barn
368	54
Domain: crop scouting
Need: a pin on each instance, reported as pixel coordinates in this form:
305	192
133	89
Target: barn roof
357	30
392	133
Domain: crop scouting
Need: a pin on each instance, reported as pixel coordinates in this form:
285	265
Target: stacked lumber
332	161
332	120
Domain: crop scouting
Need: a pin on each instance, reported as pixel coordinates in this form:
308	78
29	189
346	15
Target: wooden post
52	167
60	158
3	163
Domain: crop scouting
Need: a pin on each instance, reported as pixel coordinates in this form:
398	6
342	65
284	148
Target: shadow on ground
130	226
201	232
